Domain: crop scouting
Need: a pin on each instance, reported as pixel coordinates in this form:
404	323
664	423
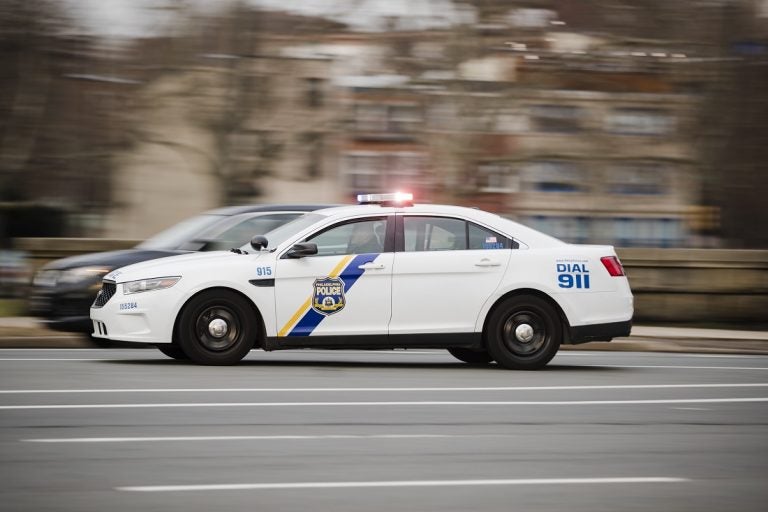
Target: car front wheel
217	327
523	333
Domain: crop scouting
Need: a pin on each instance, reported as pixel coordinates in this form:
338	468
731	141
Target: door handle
371	266
485	262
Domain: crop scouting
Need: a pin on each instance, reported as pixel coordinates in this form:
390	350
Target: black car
63	290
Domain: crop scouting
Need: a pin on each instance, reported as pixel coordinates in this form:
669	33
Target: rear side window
482	238
434	234
449	234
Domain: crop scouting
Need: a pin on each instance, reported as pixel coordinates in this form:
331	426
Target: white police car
383	274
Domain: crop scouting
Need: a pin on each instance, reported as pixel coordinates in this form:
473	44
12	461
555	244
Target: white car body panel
442	292
395	293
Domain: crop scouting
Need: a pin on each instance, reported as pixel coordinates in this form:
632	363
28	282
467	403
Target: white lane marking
677	367
664	355
379	404
400	483
253	438
2	350
315	390
61	359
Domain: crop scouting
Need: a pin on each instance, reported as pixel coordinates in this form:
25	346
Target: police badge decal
328	295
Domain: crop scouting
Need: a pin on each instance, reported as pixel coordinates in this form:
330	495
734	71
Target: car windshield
279	235
178	234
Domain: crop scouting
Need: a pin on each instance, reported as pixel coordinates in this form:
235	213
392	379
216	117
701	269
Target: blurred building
587	136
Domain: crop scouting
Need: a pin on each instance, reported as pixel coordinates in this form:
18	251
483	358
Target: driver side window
357	237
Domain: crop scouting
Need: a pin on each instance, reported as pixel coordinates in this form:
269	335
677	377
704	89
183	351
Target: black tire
470	356
517	347
173	351
217	307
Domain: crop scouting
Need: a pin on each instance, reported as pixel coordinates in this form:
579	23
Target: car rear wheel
217	327
523	333
470	356
173	351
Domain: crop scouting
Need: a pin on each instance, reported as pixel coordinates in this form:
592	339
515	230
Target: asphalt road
113	430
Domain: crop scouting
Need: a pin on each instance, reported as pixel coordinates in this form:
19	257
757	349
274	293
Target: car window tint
242	232
434	234
360	237
482	238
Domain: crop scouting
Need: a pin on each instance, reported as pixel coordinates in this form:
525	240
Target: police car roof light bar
396	199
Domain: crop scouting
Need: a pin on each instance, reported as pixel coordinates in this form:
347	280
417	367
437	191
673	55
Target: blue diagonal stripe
349	275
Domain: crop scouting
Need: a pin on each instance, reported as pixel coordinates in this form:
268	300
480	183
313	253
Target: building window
620	231
313	145
512	122
556	118
389	119
637	179
314	92
554	176
639	121
370	117
403	118
647	232
379	171
496	177
569	229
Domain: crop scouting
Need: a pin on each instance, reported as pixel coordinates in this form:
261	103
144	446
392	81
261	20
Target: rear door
444	270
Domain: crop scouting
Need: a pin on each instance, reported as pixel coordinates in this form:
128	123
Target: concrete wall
670	285
698	285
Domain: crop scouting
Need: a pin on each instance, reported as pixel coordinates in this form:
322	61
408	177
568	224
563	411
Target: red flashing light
613	265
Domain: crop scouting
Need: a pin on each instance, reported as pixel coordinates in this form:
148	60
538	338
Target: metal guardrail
670	285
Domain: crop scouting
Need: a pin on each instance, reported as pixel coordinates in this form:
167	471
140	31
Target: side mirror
301	250
259	242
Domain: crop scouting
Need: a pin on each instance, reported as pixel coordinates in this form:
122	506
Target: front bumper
137	318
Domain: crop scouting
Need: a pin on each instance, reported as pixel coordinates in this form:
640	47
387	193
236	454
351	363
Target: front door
343	290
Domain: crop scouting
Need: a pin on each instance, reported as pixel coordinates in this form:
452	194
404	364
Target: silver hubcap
218	328
524	333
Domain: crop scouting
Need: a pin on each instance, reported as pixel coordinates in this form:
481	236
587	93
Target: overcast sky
131	18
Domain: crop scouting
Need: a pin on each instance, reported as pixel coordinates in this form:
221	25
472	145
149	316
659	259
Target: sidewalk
26	332
685	339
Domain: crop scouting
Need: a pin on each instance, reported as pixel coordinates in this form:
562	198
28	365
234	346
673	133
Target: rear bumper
599	332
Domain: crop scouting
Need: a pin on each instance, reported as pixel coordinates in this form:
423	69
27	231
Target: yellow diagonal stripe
307	303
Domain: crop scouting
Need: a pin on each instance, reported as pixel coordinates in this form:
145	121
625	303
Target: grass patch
13	307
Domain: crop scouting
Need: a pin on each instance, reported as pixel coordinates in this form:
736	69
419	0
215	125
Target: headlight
148	285
77	275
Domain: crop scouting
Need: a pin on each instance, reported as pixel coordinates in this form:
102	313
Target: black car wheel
523	333
470	356
217	327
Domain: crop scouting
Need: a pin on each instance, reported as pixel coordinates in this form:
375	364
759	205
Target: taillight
612	265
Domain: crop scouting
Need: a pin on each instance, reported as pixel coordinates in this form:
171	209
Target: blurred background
636	123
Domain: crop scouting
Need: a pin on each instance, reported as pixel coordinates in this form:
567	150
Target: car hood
175	265
112	259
